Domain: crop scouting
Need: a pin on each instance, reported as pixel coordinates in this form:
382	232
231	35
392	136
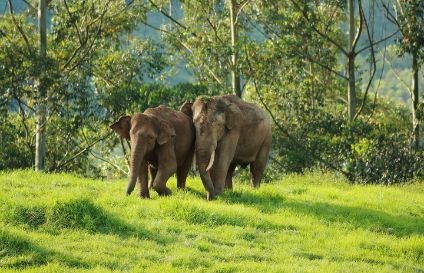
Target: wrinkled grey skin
229	132
162	140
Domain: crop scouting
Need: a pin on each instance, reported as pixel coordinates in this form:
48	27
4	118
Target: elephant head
144	132
213	119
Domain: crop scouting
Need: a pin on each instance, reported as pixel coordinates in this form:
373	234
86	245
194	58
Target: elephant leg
166	167
153	172
159	185
224	156
143	181
258	166
229	178
183	170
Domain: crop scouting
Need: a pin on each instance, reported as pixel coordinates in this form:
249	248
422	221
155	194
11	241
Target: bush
371	151
384	160
16	144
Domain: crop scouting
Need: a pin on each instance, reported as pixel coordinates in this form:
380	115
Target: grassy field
310	223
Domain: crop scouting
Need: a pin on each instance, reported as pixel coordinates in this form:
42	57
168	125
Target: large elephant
229	132
162	140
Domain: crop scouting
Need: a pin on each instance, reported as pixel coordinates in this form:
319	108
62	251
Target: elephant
229	132
162	141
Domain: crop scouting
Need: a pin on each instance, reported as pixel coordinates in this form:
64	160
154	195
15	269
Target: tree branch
374	64
24	123
398	76
34	9
361	23
96	36
103	159
390	15
324	35
170	17
378	42
124	151
60	165
18	26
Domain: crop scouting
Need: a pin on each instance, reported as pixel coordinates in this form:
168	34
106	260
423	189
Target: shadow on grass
214	217
79	214
264	203
19	252
374	220
197	193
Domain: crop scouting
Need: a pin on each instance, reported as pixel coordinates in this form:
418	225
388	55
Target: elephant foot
219	192
180	185
255	185
210	196
164	192
144	195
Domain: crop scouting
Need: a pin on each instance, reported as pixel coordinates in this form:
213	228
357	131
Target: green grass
310	223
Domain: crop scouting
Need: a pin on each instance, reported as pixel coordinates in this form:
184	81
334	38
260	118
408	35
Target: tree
66	80
408	17
209	37
410	20
351	93
40	139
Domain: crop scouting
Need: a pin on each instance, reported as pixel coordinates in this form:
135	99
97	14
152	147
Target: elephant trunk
205	159
137	155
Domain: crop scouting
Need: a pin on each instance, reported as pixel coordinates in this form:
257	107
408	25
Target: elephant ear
233	116
122	127
166	132
186	109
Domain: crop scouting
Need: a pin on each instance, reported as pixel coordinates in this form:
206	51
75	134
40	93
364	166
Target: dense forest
341	80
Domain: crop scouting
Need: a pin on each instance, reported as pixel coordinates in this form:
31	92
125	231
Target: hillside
312	223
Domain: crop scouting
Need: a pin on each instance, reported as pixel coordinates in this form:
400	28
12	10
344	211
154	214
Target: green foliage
411	25
386	160
316	221
318	138
16	143
155	94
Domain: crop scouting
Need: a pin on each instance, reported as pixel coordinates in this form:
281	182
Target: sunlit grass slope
311	223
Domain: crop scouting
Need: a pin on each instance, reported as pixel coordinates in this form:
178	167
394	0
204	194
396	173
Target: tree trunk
312	72
415	101
351	92
40	139
235	77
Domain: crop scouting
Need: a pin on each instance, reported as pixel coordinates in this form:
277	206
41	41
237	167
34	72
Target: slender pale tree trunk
312	71
351	92
235	77
40	138
415	101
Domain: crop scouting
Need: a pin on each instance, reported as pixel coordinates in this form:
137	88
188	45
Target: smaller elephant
162	140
